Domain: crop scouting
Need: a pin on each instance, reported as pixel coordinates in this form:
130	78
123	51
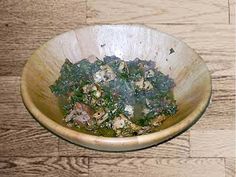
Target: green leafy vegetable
135	89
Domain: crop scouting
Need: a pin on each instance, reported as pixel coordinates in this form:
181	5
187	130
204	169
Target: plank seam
229	12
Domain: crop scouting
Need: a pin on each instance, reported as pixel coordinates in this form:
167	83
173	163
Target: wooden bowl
192	78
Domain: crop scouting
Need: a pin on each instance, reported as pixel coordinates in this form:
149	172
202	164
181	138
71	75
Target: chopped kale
113	87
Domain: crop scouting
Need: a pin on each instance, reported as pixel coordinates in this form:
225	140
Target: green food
113	97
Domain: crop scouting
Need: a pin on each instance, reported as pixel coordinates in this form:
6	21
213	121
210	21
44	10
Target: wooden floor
205	150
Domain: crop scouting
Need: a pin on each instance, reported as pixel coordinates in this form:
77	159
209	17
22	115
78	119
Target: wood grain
230	167
13	61
10	89
209	39
192	79
23	31
177	147
15	116
220	114
212	143
16	36
44	13
153	167
28	142
25	25
16	39
232	6
18	42
219	65
214	118
157	11
44	166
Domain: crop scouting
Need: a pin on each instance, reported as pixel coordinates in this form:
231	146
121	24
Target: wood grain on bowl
192	78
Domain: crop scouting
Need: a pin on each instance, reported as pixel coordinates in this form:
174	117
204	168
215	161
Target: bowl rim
111	142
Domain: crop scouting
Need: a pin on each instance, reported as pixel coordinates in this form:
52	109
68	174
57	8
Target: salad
114	98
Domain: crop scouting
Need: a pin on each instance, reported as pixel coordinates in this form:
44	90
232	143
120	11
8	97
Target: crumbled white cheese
121	66
129	109
99	76
149	73
106	74
88	88
139	83
147	102
146	111
85	88
147	85
94	88
118	122
97	94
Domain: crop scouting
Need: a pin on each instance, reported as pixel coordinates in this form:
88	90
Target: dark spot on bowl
171	51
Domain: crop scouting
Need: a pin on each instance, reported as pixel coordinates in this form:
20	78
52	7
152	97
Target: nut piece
157	121
119	122
98	115
104	118
106	74
147	85
139	83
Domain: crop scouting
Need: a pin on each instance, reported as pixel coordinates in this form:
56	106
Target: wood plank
219	65
15	115
212	143
19	41
157	11
200	37
177	147
232	6
13	61
38	22
16	36
230	167
27	24
28	142
10	90
44	13
153	167
220	114
43	166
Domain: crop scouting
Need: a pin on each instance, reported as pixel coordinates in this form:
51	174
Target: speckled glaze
185	66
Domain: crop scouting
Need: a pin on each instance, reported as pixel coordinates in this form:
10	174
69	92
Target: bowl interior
127	42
